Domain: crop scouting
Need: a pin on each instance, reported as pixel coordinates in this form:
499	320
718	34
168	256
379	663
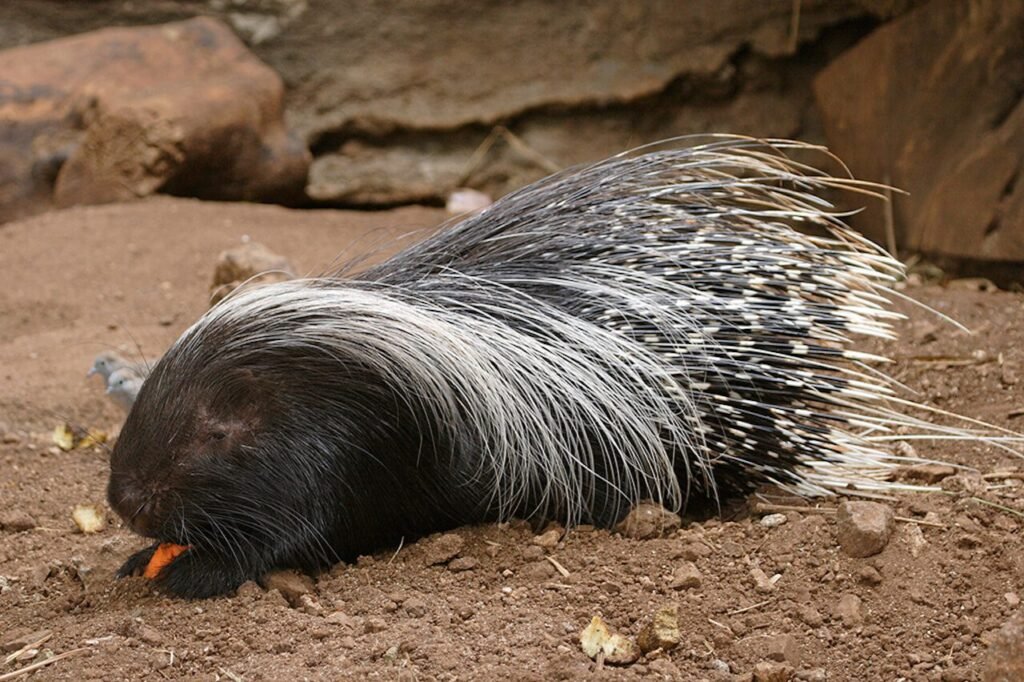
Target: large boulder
398	101
182	108
931	103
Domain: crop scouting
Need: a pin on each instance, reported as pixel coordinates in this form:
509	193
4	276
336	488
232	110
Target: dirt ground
509	605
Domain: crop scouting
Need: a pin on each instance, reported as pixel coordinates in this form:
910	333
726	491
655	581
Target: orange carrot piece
163	555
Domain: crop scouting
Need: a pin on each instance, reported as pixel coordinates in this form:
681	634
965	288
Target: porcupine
648	327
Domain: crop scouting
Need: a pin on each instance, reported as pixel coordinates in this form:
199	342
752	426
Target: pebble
290	584
772	672
969	483
549	539
783	648
648	520
810	616
773	520
374	624
597	640
22	637
415	607
914	538
927	473
464	563
848	610
762	583
443	549
686	577
16	520
864	528
662	632
1005	659
869	575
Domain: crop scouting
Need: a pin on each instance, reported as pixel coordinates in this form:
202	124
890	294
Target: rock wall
404	101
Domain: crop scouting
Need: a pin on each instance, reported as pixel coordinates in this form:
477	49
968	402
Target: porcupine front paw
197	575
191	574
137	562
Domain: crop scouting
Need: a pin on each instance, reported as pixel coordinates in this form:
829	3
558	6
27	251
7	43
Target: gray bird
108	362
123	386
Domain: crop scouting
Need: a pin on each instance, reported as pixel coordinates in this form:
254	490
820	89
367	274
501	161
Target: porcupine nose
137	506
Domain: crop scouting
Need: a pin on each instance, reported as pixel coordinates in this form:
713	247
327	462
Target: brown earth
76	282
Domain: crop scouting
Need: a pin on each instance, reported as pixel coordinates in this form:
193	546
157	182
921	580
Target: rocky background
377	104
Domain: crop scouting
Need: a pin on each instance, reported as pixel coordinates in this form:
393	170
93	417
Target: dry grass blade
36	666
30	645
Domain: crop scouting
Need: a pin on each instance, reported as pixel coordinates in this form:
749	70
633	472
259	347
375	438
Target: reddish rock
250	263
1005	660
648	520
864	527
930	103
686	577
181	108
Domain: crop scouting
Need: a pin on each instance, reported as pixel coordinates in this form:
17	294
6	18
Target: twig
1008	510
558	567
30	645
230	675
526	150
36	666
751	607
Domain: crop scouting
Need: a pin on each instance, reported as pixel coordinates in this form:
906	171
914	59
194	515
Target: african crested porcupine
648	327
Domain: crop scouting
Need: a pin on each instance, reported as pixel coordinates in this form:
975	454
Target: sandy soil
492	605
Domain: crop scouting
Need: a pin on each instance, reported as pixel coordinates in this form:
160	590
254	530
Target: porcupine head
256	455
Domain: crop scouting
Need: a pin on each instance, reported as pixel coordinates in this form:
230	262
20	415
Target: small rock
463	563
869	575
693	551
465	200
21	638
968	483
247	264
549	539
762	583
10	438
686	577
810	616
341	619
864	528
927	473
812	675
914	539
374	624
16	520
783	648
772	672
1005	659
415	607
249	589
596	640
442	549
308	604
773	520
648	520
144	633
1012	598
662	632
848	610
290	584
